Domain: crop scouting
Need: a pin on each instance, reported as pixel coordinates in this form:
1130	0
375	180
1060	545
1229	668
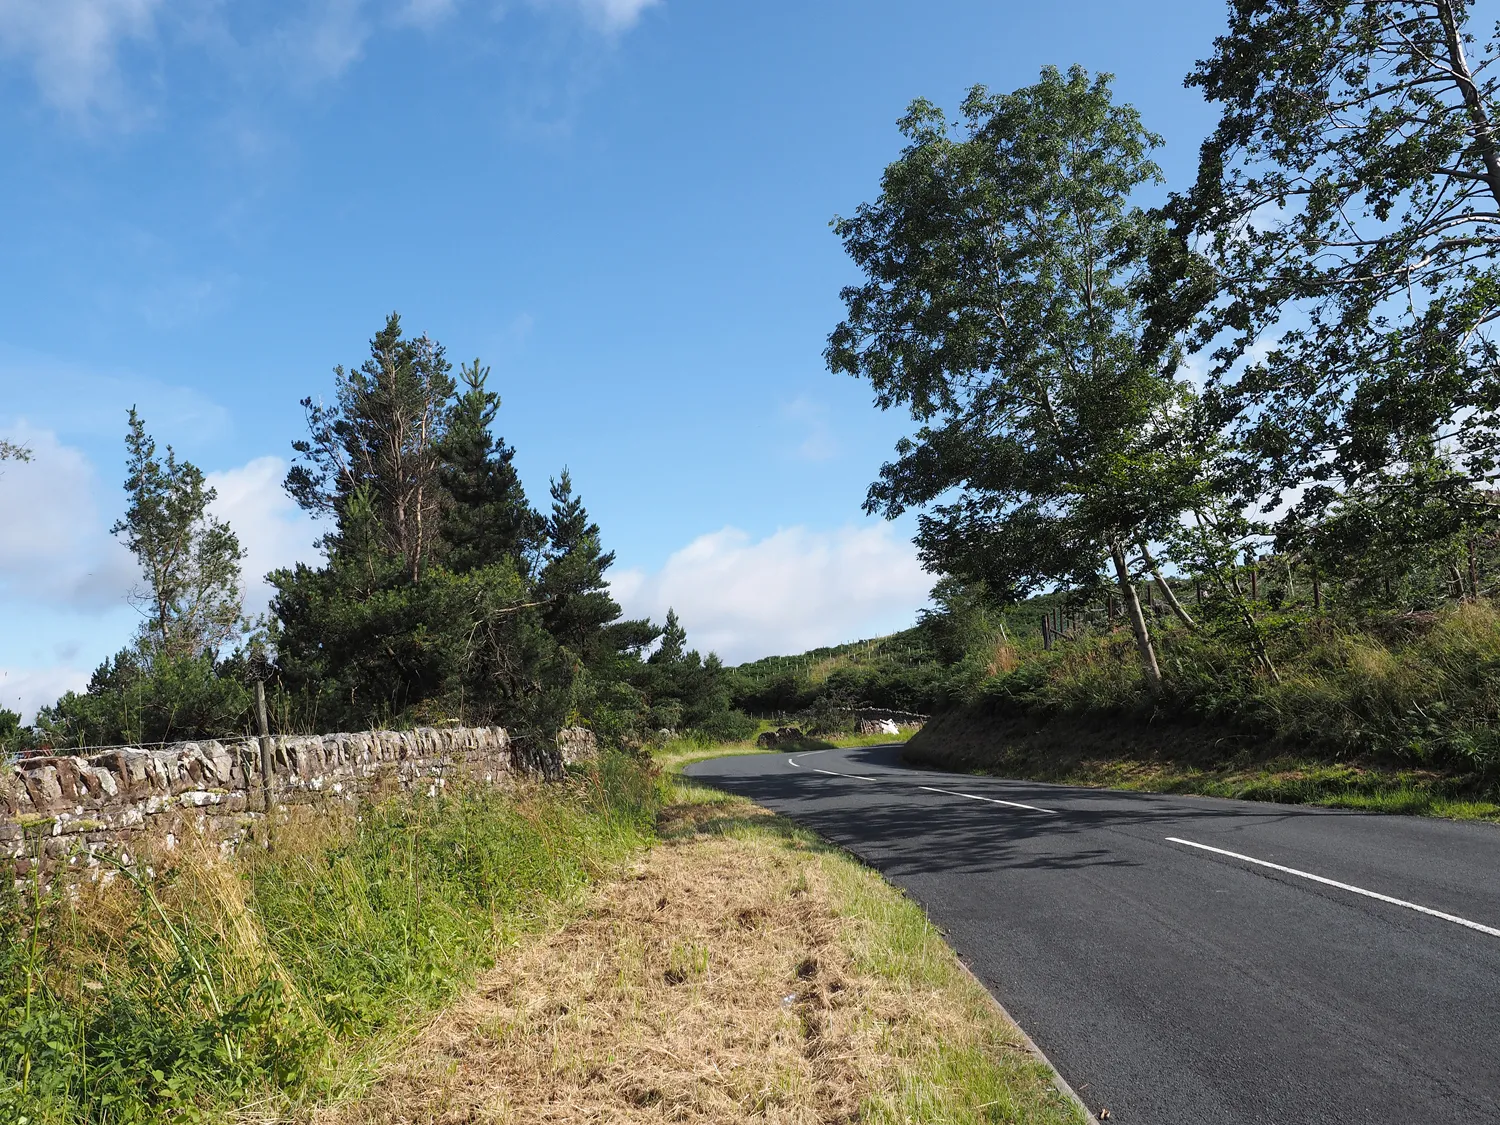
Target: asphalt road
1174	984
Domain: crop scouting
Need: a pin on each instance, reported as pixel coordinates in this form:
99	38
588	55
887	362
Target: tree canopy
1004	261
1338	247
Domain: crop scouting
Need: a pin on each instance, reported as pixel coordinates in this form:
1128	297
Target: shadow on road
896	827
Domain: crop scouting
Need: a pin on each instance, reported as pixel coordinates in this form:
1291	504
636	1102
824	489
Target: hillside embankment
1125	751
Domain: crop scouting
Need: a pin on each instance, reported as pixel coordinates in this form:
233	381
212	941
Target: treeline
1271	404
442	595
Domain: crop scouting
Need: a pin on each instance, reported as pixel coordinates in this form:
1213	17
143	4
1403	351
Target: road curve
1186	961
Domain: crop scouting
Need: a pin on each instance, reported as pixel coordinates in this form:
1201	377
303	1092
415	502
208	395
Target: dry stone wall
65	811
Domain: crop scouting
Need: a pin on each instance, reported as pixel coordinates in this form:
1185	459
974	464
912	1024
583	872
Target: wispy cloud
606	15
76	49
812	436
73	46
791	591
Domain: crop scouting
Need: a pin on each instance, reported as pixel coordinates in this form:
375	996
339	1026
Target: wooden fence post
1473	572
267	770
1317	591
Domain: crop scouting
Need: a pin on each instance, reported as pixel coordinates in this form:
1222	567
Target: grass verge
1192	760
743	970
251	987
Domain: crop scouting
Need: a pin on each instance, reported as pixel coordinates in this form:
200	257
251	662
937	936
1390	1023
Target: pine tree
573	580
488	518
673	641
383	437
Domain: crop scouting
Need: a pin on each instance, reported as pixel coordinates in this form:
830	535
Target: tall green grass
1418	691
267	980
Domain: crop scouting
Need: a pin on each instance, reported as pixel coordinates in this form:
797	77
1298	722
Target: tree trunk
1166	590
1137	619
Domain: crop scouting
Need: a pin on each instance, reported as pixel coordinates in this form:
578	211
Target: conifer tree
673	641
383	436
488	518
573	580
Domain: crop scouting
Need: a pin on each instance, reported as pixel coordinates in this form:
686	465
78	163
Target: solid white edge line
1454	918
990	800
830	773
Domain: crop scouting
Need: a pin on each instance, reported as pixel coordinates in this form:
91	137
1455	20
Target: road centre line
1454	918
990	800
928	788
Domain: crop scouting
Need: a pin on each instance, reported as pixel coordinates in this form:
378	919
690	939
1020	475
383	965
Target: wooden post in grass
1198	589
266	769
1473	572
1317	591
1046	632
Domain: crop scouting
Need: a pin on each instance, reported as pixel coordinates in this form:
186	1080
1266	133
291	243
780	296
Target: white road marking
1454	918
928	788
990	800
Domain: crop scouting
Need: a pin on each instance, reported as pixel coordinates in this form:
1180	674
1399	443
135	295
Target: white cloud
77	49
23	690
789	592
55	545
73	45
613	15
65	580
326	41
270	526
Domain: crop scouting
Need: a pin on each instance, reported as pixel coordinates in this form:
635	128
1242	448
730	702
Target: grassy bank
1121	752
279	978
741	971
1396	709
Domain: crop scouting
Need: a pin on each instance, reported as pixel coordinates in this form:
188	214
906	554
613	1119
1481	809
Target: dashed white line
927	788
1454	918
990	800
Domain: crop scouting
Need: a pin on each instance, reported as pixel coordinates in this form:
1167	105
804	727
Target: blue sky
622	206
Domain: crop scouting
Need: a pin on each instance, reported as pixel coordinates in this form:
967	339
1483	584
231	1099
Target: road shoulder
742	969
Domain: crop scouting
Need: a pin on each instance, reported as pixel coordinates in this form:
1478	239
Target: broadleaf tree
1338	253
194	600
1003	262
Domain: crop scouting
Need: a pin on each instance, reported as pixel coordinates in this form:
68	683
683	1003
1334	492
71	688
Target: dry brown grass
738	972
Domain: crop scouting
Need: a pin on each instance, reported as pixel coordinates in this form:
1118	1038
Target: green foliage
130	699
1003	306
208	987
191	560
901	672
487	519
380	444
13	736
1344	211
